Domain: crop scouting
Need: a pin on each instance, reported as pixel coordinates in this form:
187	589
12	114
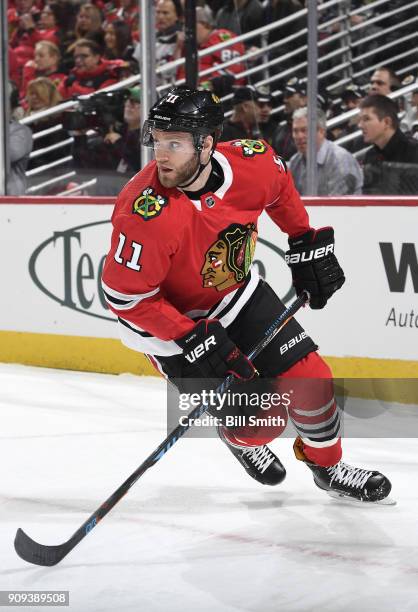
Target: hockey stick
40	554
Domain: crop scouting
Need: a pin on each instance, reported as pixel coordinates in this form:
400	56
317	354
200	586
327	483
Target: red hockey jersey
216	58
173	260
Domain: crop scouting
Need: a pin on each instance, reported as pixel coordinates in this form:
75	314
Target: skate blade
387	501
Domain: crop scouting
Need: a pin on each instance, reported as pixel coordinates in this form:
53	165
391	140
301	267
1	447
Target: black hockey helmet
182	109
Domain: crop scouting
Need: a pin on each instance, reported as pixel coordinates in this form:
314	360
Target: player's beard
182	175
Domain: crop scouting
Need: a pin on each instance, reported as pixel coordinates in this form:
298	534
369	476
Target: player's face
176	157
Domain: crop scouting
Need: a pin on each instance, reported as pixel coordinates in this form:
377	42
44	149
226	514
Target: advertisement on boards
53	256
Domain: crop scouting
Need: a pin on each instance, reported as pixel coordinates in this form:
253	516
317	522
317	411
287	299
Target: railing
336	67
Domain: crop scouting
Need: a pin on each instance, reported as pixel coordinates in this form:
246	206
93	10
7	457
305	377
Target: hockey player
180	280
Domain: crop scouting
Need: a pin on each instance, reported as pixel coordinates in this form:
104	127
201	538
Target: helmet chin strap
196	174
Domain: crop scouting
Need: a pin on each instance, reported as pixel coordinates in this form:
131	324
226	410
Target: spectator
89	24
411	112
294	97
15	70
115	155
52	23
20	146
279	9
219	81
25	33
91	71
117	40
267	123
128	12
127	144
240	17
41	93
244	121
45	64
350	99
363	30
20	8
168	23
338	171
383	81
380	126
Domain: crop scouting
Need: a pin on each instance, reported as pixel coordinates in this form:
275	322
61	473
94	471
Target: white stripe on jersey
146	344
125	301
226	167
131	334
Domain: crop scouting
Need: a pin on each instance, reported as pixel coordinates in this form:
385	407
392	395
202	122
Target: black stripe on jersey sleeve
113	300
136	331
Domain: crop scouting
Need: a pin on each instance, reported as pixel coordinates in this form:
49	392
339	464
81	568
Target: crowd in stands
61	49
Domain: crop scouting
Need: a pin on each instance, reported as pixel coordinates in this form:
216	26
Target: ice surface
194	533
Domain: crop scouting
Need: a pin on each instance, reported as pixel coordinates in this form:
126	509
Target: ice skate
346	481
258	461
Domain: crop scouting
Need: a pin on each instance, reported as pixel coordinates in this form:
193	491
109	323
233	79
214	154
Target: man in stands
338	171
21	8
244	121
294	97
241	16
383	172
91	71
267	123
22	29
112	155
219	81
383	81
168	23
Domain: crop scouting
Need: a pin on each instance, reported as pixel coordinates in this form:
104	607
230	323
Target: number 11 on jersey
133	262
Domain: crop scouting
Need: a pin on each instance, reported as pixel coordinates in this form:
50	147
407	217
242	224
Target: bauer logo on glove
314	265
308	255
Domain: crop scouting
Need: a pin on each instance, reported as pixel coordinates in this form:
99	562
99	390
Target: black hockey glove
212	352
314	265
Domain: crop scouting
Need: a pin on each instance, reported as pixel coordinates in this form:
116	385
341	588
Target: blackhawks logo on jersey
228	259
149	204
250	147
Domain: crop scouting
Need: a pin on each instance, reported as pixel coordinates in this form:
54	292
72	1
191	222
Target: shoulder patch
149	204
250	148
281	164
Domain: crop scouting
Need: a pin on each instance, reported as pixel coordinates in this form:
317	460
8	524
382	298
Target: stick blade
39	554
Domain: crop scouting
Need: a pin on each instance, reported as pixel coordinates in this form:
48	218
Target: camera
100	112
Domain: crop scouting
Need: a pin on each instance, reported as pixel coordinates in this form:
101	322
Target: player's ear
207	147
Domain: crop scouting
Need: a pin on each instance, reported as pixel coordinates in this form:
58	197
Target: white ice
195	533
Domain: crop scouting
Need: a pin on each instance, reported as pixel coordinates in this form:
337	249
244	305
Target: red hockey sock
314	411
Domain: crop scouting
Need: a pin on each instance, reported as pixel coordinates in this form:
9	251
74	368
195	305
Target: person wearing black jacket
115	157
391	165
241	16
